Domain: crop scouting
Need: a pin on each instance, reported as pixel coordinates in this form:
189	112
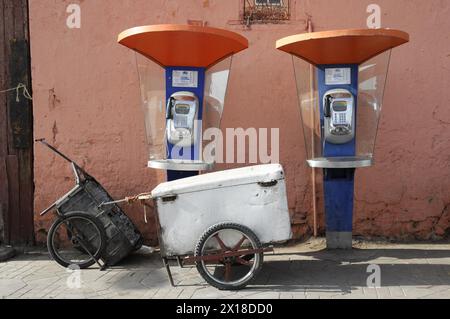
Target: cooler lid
227	178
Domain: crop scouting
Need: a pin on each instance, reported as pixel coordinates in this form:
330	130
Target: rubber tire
198	250
97	224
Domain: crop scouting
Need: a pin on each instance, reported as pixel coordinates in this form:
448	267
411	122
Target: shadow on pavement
321	271
342	270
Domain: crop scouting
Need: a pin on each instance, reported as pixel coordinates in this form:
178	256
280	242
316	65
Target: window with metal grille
268	2
266	11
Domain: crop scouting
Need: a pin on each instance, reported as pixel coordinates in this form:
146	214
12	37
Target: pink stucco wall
86	102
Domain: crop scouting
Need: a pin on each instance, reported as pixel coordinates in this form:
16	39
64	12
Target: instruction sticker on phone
338	76
184	79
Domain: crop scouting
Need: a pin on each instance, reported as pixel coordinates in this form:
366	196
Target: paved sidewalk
301	272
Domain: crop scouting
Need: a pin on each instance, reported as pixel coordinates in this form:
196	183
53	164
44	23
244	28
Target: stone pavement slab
305	271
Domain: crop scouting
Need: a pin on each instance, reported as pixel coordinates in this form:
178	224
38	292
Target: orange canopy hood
183	45
342	46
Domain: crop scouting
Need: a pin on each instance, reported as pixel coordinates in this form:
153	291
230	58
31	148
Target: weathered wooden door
16	126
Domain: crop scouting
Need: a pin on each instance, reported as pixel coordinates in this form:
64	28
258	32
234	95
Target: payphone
340	98
181	115
183	72
339	119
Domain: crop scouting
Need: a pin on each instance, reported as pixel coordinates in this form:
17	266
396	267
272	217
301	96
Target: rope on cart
142	198
145	213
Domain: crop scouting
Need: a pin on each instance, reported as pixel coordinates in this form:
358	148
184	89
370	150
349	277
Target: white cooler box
252	196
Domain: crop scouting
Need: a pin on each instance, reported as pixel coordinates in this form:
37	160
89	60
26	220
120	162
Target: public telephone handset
181	115
339	116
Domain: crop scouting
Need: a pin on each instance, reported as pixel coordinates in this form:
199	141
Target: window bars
266	11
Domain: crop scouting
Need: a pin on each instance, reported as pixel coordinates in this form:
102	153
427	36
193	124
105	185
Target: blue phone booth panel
194	82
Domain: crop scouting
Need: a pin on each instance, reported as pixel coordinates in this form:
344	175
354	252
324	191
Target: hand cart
221	222
84	233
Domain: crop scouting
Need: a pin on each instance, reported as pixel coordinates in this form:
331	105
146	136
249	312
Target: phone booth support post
183	72
341	77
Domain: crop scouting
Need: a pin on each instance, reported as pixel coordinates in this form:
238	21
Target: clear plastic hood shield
153	99
371	84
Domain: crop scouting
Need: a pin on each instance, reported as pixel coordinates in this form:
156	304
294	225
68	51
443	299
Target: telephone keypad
340	118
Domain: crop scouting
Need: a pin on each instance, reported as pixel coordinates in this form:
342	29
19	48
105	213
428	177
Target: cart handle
48	209
102	205
44	142
77	170
129	200
141	198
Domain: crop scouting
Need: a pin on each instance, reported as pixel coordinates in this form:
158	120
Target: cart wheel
76	239
76	246
228	272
